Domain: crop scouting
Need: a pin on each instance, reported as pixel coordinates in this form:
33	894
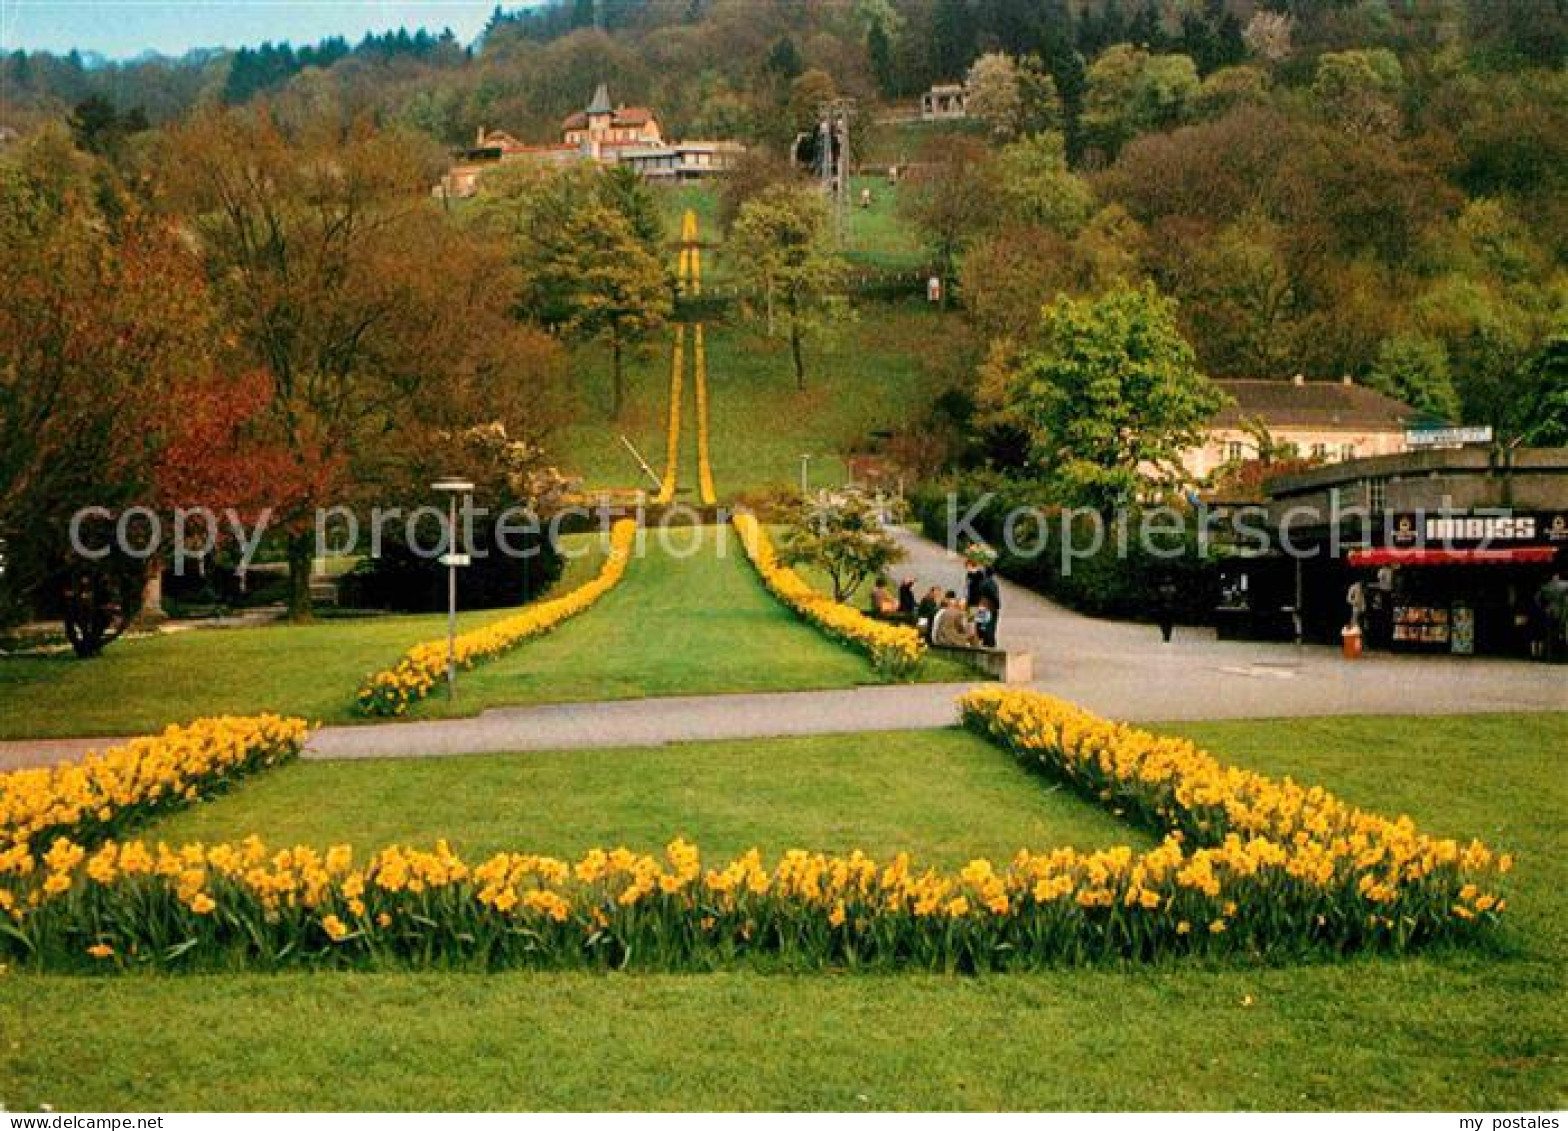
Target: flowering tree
843	536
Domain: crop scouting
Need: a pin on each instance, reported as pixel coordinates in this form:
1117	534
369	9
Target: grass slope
879	371
1458	1031
876	792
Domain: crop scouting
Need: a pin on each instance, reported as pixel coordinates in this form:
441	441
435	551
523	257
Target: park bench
1014	666
1000	664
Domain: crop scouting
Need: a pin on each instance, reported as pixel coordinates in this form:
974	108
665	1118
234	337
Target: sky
123	29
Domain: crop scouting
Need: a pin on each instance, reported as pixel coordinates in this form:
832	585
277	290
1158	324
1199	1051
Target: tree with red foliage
105	310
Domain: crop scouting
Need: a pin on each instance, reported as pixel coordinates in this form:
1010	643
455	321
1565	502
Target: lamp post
452	487
805	479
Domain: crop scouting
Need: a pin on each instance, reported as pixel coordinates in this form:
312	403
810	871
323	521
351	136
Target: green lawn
675	625
877	372
693	625
142	685
943	796
1456	1030
877	237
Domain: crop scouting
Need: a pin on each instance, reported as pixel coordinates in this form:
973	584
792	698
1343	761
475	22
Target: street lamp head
453	485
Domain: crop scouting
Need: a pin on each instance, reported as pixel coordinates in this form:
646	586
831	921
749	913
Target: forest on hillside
235	262
1376	188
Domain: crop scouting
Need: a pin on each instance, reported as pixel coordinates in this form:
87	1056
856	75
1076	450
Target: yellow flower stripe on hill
689	272
423	666
672	458
106	792
895	650
700	370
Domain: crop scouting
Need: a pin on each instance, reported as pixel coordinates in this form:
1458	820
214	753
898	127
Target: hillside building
600	132
945	102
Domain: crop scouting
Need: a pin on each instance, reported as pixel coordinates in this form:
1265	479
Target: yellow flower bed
102	793
1327	869
423	666
1249	866
705	487
672	457
895	650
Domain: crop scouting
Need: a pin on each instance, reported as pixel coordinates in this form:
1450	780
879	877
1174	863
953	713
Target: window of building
1235	451
1377	494
1319	451
1347	451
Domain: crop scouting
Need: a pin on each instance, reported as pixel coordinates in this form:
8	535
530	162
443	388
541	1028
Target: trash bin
1350	641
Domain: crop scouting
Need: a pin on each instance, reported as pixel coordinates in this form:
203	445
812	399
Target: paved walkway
651	722
1121	670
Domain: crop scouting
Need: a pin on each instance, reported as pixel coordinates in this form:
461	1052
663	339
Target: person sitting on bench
952	628
884	605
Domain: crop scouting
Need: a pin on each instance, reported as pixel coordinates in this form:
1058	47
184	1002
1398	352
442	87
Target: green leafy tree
589	243
1360	90
612	288
806	96
1240	300
1038	188
780	243
950	197
1111	395
1547	379
1131	92
994	95
1230	87
952	43
842	536
1040	106
1414	368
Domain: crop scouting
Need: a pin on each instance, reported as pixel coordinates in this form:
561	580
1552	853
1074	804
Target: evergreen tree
879	49
952	38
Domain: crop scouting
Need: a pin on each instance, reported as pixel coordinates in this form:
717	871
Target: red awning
1417	556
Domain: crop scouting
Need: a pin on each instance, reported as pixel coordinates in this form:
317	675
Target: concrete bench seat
998	663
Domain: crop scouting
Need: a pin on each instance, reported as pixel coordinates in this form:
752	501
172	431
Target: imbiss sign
1496	528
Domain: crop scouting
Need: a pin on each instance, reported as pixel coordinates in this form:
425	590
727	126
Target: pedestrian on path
983	593
927	609
1356	598
1165	607
1552	600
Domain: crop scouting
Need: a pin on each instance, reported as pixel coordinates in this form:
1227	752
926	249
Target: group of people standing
945	619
